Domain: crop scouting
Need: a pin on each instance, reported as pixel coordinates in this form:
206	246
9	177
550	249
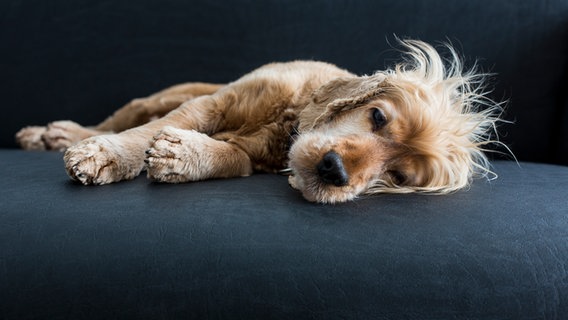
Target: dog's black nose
332	171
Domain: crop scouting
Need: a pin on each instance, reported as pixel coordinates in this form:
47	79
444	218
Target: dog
420	126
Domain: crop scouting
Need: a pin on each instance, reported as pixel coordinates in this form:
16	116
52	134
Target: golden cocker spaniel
418	127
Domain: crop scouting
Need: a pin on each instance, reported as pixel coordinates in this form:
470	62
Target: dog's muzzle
331	170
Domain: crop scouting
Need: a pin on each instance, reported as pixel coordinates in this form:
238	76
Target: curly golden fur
418	127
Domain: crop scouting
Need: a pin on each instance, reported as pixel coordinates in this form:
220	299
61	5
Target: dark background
82	59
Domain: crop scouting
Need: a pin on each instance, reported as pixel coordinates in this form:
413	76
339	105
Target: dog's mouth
316	190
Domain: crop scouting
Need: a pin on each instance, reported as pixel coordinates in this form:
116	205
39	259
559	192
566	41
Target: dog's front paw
29	138
99	160
176	156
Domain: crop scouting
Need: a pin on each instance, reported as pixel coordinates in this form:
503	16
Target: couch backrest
83	59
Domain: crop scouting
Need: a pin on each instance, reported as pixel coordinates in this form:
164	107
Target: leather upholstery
252	248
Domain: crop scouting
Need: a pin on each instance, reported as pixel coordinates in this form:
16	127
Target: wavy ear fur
339	95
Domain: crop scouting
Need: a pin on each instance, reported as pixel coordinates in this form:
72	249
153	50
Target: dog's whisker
286	172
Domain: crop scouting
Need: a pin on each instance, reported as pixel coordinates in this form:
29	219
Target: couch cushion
253	248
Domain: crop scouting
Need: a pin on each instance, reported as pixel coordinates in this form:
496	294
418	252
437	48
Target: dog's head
419	127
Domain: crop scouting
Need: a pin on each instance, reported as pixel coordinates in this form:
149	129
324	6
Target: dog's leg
109	158
178	155
60	135
144	110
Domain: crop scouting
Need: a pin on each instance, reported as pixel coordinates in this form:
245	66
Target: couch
253	248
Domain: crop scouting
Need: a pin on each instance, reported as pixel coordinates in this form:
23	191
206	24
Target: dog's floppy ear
339	95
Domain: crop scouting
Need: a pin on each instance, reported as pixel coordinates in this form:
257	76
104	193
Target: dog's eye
397	177
379	118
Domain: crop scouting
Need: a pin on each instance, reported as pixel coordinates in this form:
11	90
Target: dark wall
83	59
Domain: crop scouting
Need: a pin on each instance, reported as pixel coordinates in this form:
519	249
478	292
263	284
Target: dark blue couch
252	248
